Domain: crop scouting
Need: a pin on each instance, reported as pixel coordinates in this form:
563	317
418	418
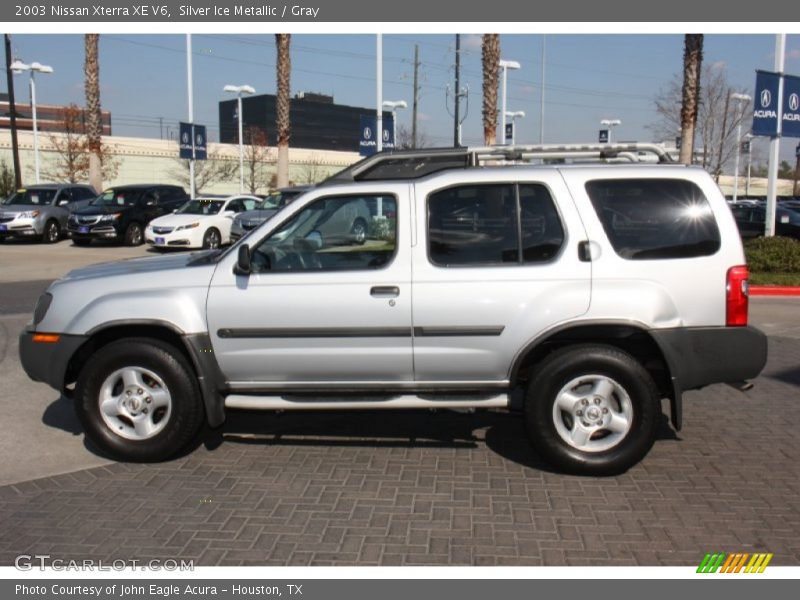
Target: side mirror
63	202
243	261
314	239
174	210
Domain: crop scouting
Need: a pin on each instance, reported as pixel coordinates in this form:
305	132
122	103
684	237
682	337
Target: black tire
561	368
359	231
80	242
186	415
52	232
212	239
134	236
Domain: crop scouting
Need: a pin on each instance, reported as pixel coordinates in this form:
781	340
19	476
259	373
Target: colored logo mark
734	563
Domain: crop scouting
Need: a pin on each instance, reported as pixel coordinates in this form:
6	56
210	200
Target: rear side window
482	225
655	218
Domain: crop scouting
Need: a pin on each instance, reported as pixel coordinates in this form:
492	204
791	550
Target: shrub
773	255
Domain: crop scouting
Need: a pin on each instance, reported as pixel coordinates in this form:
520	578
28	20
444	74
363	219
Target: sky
587	77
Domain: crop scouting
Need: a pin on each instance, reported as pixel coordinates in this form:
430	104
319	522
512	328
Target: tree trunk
94	125
282	117
692	61
490	51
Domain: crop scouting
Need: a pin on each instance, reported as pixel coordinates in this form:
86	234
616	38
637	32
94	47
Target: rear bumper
47	362
699	356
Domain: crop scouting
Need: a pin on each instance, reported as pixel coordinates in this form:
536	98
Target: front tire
359	231
134	235
592	410
212	239
51	233
138	400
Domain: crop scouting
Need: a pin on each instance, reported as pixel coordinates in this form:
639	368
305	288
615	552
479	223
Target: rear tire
138	400
52	232
592	410
134	235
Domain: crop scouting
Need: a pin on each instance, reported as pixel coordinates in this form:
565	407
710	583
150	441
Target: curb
774	290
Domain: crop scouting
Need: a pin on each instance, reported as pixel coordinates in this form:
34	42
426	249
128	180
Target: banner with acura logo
790	126
765	104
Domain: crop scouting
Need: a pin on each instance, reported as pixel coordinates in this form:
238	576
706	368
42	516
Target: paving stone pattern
439	488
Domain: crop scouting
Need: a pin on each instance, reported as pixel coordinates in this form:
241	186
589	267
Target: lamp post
505	65
393	105
749	138
740	99
610	123
514	115
239	90
19	67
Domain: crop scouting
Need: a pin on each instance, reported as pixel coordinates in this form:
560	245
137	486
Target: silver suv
41	211
579	295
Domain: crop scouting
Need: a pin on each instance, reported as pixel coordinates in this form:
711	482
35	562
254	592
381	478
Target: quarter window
341	233
655	218
494	224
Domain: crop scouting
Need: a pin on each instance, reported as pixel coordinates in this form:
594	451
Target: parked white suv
580	295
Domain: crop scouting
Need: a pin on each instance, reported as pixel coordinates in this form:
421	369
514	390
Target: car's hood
18	208
173	220
259	214
101	210
151	265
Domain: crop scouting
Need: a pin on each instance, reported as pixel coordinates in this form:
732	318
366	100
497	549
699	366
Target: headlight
189	226
111	217
31	214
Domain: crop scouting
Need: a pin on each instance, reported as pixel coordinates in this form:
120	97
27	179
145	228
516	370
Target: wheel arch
196	348
632	338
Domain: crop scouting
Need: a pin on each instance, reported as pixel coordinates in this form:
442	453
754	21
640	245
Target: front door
327	302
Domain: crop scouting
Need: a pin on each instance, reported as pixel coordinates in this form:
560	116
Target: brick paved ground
435	488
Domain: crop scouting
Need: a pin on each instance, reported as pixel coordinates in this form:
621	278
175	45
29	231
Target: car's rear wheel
138	400
212	239
359	231
592	409
134	235
52	232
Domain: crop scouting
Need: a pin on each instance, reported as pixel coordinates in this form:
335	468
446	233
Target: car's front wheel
359	231
138	400
592	409
134	235
212	239
52	232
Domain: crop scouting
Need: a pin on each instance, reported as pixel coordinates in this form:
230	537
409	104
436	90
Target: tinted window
481	225
333	234
122	197
655	218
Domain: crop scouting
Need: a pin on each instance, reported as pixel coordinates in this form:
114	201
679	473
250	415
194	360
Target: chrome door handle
385	291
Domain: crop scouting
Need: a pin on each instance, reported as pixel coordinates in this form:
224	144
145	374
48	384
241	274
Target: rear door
495	265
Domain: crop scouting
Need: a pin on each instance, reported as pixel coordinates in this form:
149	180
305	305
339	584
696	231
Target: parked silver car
247	221
41	211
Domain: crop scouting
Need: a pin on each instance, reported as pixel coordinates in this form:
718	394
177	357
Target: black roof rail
413	164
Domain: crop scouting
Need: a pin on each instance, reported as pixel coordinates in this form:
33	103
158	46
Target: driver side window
338	233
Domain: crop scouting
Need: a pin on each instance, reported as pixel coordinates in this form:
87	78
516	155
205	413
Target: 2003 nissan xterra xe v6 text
578	294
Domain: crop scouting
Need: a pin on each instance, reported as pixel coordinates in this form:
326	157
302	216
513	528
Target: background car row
160	215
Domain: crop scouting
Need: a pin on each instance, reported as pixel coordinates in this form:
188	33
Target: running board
404	401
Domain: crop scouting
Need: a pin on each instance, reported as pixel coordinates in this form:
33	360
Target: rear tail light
736	296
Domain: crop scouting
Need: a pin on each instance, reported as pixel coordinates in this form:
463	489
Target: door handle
584	252
385	291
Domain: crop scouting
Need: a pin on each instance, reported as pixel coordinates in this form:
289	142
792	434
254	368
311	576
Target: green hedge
773	255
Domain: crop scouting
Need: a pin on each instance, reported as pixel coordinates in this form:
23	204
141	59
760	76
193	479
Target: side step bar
405	401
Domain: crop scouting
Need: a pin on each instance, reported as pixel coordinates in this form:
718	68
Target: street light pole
610	123
740	99
239	90
190	86
33	68
749	138
505	65
393	105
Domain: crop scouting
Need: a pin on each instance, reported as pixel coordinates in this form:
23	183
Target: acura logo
766	98
794	102
185	138
367	133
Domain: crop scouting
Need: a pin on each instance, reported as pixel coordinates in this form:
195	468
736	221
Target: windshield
201	206
39	197
271	202
114	198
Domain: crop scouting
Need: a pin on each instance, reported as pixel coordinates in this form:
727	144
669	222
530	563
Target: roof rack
413	164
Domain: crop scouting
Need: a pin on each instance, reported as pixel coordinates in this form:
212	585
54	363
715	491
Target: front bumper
185	238
48	362
699	356
22	228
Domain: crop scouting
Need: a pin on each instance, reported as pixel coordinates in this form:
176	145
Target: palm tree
94	125
690	93
490	52
282	120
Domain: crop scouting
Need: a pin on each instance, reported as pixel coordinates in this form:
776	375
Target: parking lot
419	488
